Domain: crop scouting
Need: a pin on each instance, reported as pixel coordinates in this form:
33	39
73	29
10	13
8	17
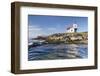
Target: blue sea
58	51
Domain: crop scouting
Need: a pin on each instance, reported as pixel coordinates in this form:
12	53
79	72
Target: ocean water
58	51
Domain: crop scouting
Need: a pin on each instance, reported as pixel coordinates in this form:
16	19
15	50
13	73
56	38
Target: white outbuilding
72	29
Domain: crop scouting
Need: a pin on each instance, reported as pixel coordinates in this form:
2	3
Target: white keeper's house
72	29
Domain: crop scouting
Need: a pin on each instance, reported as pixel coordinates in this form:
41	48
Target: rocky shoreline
70	38
61	38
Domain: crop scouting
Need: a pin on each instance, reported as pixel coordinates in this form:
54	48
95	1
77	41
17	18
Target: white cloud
34	31
34	28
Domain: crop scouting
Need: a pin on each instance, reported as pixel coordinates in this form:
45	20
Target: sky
42	25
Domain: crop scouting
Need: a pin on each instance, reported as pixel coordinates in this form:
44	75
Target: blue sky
46	25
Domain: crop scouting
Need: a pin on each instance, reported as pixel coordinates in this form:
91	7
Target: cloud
34	31
34	28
